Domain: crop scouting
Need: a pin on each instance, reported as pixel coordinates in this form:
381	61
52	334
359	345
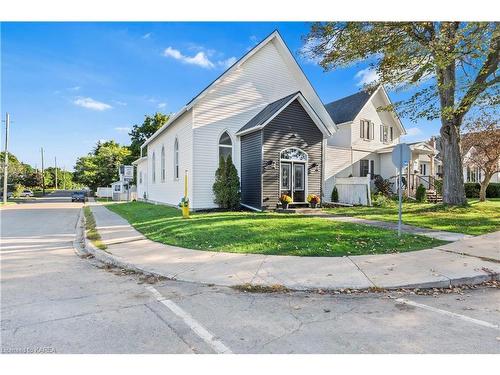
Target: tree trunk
453	178
484	186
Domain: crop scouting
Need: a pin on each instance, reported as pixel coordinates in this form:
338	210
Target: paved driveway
54	301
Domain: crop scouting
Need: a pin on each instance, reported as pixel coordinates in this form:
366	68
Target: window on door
286	176
298	174
423	169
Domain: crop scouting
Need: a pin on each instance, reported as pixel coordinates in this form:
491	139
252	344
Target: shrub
226	187
380	200
335	194
420	195
383	186
18	189
472	190
493	190
438	185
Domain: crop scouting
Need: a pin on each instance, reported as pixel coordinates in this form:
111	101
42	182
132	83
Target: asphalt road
54	301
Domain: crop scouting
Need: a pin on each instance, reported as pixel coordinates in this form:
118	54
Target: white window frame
367	130
226	146
163	171
176	159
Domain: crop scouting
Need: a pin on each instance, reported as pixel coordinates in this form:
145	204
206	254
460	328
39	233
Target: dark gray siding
251	169
291	128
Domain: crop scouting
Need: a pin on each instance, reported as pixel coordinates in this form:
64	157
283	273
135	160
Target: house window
293	154
366	167
473	174
225	146
176	159
423	169
117	188
140	177
386	133
163	164
153	168
366	130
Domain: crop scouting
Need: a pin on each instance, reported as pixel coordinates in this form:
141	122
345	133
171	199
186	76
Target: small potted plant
285	200
313	200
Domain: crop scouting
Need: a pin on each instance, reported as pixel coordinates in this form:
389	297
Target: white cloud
228	62
366	76
162	105
201	58
117	102
90	103
147	36
122	129
413	132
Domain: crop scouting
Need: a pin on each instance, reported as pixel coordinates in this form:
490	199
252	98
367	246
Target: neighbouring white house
265	114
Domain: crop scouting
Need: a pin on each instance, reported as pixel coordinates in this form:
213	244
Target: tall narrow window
176	159
225	146
366	130
153	168
163	164
364	168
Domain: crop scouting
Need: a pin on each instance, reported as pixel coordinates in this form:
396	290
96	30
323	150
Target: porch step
434	197
304	211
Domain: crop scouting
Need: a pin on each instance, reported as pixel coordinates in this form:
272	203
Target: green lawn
475	218
264	233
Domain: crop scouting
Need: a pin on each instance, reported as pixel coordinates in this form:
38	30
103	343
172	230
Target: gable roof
346	109
286	54
272	110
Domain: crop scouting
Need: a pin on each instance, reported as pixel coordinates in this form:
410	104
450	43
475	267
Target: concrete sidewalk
467	261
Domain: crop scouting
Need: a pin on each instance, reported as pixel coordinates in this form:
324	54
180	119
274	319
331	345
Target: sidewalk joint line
363	272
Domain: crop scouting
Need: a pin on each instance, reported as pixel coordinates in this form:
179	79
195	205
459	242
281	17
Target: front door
293	180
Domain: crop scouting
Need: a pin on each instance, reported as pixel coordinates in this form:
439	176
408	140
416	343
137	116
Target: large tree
140	133
100	167
451	66
482	147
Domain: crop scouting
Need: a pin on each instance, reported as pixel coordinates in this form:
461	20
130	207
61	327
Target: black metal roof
266	113
346	109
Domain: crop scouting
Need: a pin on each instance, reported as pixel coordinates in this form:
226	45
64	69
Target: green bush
420	195
381	200
438	184
472	190
335	194
18	189
226	187
383	186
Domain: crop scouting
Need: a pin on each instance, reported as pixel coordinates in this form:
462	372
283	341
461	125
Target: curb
83	248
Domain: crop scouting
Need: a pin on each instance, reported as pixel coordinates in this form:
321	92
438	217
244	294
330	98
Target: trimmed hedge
472	190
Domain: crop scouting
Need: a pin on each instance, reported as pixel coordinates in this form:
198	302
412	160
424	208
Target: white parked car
26	193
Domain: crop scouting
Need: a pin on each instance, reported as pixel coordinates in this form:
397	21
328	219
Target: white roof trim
305	104
141	159
286	52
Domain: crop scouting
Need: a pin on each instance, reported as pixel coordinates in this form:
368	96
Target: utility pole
55	169
43	175
64	177
6	162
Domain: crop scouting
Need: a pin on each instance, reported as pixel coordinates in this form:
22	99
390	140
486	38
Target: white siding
338	163
171	191
262	79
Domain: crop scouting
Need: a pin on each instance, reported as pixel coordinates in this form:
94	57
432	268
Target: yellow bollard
185	200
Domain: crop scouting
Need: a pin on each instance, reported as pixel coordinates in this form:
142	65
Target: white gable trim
305	104
291	62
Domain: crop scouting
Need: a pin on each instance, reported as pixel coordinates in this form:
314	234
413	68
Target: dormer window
366	130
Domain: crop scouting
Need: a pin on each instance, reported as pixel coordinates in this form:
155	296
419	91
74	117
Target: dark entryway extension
282	153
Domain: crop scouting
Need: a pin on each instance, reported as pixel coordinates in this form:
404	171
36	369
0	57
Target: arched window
163	164
176	159
225	146
153	168
293	154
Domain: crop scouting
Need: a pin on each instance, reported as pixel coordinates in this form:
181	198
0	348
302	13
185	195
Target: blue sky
68	85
